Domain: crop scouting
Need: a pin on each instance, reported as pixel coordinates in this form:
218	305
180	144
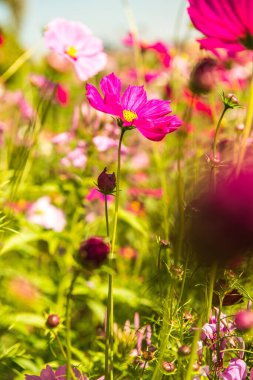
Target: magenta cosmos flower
226	24
133	109
75	42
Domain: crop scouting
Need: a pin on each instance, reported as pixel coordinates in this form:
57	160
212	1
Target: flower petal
134	98
155	108
94	98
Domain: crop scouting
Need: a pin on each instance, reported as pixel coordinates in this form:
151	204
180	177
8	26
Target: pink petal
134	98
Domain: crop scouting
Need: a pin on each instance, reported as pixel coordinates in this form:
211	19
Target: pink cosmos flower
75	42
133	109
159	47
43	213
226	24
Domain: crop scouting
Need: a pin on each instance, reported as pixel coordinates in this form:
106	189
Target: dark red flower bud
106	182
53	321
168	367
203	76
244	320
93	251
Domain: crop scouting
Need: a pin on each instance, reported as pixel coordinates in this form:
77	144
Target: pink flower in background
237	370
75	157
94	195
49	88
159	47
133	108
43	213
60	373
226	24
75	42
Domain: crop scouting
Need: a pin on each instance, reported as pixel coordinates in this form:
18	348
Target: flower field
126	195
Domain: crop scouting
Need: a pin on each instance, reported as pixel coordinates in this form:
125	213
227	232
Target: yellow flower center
71	51
129	115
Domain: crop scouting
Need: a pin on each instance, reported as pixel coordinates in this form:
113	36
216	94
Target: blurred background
108	19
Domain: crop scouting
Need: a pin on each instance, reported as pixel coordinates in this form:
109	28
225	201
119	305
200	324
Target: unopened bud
53	321
168	367
184	350
164	243
202	77
177	272
230	101
106	182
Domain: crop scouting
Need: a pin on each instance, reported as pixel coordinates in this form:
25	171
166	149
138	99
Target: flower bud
163	243
93	251
106	182
168	367
230	101
244	320
202	77
184	350
53	321
147	355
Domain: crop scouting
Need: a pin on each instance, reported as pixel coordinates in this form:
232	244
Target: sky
106	18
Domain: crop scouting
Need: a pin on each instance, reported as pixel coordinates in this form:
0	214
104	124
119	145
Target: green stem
218	342
106	217
159	259
17	64
194	350
164	336
110	317
210	290
68	326
247	129
183	281
143	370
61	346
217	132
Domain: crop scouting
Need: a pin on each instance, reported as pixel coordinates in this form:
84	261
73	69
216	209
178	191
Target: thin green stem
68	325
164	336
183	281
218	331
143	370
110	316
61	346
106	217
159	258
17	64
217	132
194	350
210	290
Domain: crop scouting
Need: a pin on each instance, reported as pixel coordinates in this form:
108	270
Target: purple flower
59	374
237	370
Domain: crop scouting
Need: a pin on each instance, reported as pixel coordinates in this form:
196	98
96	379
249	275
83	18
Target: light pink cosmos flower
237	370
226	24
133	108
43	213
75	42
